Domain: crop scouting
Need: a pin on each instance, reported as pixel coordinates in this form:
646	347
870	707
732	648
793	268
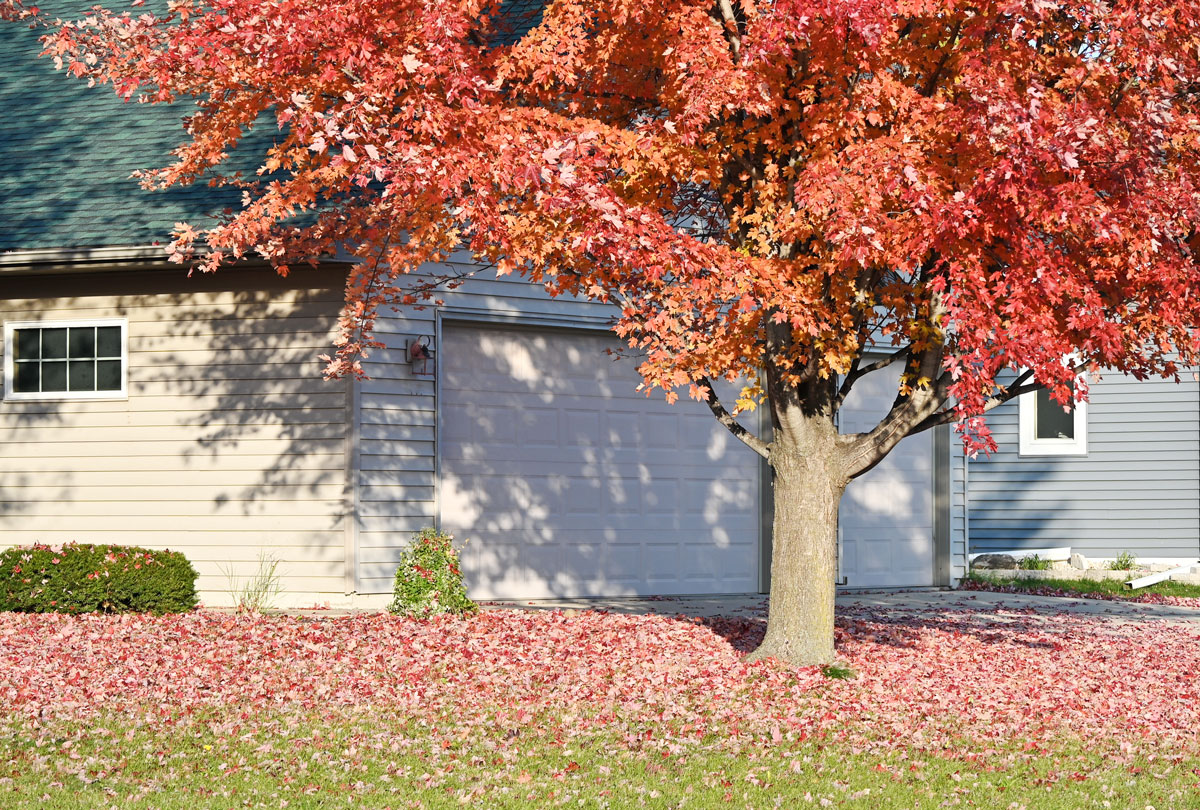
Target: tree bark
808	484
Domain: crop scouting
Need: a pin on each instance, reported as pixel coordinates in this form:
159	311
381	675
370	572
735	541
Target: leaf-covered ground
523	709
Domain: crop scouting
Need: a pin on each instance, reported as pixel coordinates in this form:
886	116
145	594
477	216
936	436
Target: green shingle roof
67	152
521	15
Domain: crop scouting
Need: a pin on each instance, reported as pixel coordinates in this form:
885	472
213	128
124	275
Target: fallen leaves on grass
950	683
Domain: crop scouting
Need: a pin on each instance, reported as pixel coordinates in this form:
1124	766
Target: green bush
1033	562
81	578
428	579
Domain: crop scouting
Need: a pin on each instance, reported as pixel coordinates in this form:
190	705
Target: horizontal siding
1138	488
397	488
229	446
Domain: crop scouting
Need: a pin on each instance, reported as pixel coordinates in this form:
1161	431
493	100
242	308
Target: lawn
514	709
1160	593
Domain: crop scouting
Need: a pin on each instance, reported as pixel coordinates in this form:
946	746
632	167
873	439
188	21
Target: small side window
46	360
1049	429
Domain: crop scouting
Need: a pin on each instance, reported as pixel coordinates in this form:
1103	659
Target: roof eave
61	261
81	259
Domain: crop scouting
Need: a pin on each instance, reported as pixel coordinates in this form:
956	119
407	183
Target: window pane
54	375
82	342
108	341
83	375
108	375
25	377
27	346
1052	421
54	343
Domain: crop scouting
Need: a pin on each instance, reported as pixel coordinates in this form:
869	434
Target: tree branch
912	405
946	417
931	83
730	27
726	418
857	372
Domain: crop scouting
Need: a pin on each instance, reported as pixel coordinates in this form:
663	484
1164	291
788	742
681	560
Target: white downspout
1151	579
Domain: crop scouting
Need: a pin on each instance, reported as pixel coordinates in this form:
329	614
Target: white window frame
10	327
1030	445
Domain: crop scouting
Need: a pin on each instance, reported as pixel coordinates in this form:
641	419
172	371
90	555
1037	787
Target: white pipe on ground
1151	579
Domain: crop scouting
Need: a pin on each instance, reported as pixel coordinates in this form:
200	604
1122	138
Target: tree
766	190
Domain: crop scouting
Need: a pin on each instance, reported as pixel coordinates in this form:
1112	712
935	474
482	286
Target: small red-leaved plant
429	581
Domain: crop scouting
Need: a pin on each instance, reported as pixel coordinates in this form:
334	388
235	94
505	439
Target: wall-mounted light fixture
420	355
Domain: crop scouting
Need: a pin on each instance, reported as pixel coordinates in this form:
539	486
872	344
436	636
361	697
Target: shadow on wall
230	443
569	482
886	517
1134	490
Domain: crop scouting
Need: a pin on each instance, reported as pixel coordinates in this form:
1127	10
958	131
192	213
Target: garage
567	481
885	527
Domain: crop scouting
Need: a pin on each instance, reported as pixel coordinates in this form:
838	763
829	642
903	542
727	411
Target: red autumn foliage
767	189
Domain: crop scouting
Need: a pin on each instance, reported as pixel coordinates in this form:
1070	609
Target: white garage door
886	519
569	482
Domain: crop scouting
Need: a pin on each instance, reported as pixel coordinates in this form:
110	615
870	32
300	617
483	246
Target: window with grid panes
65	360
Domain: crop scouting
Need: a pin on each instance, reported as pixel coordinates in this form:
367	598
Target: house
142	406
1119	474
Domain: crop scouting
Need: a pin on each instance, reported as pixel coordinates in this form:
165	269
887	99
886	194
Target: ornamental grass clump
429	581
1034	562
83	578
1125	561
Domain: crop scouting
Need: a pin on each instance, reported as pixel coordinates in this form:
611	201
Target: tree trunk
808	485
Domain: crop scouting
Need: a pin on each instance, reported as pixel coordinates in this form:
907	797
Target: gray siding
1137	489
397	480
229	444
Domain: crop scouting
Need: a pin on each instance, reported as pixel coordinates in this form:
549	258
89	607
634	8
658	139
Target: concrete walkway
985	605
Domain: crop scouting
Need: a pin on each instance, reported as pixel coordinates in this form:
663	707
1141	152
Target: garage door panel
569	482
886	517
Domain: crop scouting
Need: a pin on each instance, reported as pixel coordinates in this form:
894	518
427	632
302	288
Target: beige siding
230	444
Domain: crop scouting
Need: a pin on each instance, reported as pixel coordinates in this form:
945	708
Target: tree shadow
230	444
903	629
569	482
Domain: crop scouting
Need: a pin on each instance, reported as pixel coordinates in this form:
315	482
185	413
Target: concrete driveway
984	605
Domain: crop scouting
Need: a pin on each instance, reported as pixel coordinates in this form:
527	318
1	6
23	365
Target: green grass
355	758
1084	586
1034	563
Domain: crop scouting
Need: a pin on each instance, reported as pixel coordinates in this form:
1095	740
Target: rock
994	562
1079	561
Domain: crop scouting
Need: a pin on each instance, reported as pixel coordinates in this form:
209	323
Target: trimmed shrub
82	578
428	579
